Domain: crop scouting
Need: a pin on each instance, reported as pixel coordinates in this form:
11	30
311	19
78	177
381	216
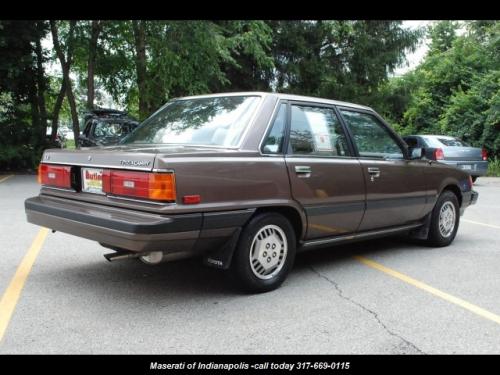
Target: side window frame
270	128
289	152
398	140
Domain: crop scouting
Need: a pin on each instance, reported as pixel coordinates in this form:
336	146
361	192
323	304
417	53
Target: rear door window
273	143
316	131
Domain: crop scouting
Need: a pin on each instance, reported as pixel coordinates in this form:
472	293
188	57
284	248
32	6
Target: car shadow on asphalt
190	278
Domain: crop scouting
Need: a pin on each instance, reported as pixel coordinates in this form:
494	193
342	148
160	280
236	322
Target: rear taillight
484	154
438	154
54	175
154	186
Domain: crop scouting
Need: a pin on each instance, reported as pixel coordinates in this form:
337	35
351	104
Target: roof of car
281	96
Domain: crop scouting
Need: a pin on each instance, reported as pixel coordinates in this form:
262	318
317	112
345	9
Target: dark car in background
105	127
452	151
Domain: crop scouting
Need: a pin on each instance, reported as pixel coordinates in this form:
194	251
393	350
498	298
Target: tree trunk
140	65
42	87
94	36
65	65
57	109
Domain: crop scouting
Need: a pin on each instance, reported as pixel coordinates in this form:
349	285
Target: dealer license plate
92	180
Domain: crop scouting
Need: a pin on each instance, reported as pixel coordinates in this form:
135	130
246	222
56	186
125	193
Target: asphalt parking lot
386	296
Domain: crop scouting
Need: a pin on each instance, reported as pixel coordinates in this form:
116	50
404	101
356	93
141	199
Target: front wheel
445	218
265	253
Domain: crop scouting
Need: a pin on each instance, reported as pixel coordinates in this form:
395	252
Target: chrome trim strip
162	170
359	236
102	166
140	200
56	188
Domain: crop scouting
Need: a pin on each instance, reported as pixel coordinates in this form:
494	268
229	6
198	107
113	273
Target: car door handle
374	173
303	170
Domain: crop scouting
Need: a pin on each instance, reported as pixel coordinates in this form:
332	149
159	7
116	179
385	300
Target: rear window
217	121
453	142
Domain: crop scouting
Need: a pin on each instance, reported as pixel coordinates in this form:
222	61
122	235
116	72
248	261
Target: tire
474	178
445	219
264	254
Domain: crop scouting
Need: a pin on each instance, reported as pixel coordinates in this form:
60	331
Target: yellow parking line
438	293
479	223
2	179
11	295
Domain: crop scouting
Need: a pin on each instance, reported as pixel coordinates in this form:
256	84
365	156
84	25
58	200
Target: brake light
438	154
155	186
484	154
54	175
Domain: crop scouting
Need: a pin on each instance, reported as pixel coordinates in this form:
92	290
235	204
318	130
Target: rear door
395	187
325	176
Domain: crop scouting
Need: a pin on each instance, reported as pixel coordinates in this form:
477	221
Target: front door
325	177
395	186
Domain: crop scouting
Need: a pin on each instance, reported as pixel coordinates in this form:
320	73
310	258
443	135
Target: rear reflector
439	154
191	199
55	175
484	154
155	186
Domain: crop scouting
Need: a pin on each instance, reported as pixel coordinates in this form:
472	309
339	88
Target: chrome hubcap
447	218
268	252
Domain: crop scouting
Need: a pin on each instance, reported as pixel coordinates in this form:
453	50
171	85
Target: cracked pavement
74	301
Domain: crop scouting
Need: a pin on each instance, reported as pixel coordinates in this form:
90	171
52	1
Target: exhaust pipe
120	255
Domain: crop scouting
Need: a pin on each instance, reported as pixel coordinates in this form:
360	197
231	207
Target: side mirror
416	153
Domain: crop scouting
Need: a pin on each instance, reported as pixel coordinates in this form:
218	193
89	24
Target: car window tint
274	140
316	131
371	136
453	142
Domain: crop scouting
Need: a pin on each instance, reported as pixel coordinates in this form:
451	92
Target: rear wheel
444	220
265	253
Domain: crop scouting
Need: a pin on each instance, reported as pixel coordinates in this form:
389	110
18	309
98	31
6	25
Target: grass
70	144
494	168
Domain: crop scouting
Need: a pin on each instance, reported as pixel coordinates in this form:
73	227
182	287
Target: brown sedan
246	180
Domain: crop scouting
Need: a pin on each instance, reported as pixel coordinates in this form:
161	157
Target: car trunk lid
462	153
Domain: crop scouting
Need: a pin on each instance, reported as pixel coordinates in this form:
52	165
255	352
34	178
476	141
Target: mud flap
422	233
221	257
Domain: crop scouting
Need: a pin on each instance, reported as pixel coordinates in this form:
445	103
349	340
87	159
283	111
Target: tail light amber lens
154	186
484	154
439	154
55	175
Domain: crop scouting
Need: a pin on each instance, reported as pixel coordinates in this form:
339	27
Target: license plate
466	166
92	180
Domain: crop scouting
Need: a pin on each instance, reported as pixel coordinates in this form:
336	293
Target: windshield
216	121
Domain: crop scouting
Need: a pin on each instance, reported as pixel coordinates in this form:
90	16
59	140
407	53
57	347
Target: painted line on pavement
436	292
479	223
13	292
2	179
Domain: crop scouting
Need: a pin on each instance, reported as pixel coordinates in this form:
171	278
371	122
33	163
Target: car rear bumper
133	230
473	167
468	198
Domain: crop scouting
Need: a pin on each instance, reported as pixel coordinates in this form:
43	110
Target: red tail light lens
55	175
438	154
484	154
155	186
